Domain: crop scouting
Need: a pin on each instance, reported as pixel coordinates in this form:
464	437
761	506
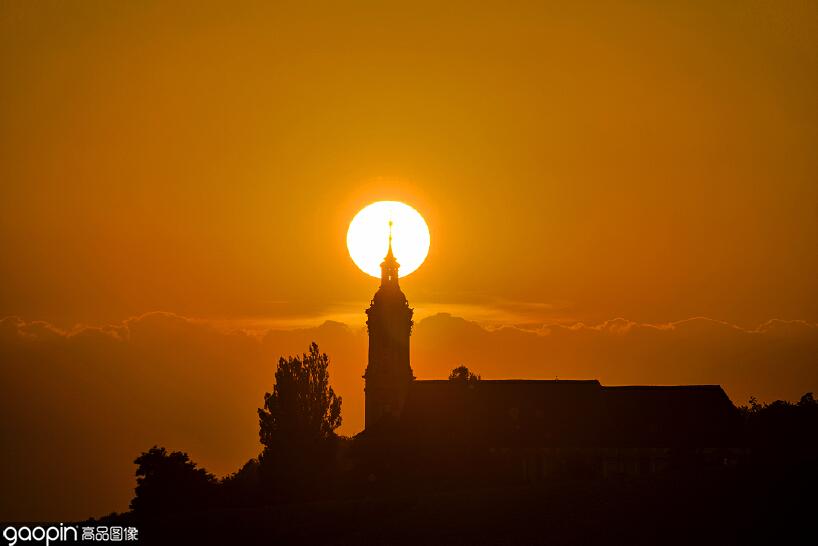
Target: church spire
389	323
389	266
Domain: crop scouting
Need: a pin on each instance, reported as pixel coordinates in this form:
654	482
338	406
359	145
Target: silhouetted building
388	374
533	427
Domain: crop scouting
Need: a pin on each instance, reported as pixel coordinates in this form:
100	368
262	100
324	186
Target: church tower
389	322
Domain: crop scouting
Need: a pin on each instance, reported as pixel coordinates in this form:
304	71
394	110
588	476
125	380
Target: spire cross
389	266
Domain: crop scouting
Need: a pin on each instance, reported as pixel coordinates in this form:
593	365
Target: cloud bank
77	406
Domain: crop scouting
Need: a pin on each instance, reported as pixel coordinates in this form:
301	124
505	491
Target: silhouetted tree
808	401
781	423
170	482
462	373
242	488
297	425
753	407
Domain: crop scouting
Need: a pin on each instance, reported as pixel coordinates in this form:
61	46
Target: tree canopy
297	423
462	373
302	406
170	482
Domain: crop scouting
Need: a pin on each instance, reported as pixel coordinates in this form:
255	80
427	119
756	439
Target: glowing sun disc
368	237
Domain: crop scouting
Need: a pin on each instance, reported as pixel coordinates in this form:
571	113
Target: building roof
567	413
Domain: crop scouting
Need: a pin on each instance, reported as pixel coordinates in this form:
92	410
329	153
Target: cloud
78	405
779	359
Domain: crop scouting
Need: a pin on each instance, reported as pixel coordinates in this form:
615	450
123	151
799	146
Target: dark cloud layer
77	406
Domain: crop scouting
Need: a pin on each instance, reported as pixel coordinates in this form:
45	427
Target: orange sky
655	163
652	163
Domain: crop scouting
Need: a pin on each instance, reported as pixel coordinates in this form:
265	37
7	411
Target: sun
368	237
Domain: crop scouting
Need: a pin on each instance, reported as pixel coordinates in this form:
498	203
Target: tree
462	373
242	488
297	424
170	482
781	423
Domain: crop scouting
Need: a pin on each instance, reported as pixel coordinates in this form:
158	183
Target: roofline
582	382
569	381
661	387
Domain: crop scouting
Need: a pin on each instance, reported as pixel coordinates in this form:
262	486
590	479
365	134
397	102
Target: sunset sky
623	191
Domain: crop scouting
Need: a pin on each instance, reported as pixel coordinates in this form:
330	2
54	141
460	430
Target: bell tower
389	322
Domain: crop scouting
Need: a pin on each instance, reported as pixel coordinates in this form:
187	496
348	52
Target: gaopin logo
46	535
72	534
